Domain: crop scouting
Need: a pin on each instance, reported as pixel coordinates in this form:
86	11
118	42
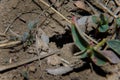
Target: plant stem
79	30
100	44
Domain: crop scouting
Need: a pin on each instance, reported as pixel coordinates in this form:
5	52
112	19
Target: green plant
97	56
102	23
118	22
25	75
114	45
28	36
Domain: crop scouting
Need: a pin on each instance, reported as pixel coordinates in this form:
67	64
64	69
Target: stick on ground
42	1
20	63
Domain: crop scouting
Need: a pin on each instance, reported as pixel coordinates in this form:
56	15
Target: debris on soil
54	60
59	71
37	41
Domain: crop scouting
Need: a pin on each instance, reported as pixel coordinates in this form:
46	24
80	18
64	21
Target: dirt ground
17	14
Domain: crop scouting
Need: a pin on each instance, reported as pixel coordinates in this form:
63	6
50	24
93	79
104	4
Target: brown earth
53	25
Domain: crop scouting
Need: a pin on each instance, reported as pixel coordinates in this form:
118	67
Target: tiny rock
53	60
32	68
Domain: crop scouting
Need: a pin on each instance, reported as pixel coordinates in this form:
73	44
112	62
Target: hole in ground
98	35
62	39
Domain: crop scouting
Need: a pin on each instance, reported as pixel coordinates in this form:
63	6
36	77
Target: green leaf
115	45
78	40
103	19
95	19
25	75
25	36
118	21
83	55
98	59
32	24
110	56
103	28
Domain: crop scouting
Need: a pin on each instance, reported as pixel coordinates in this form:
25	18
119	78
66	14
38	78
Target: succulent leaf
98	59
115	45
80	43
103	28
110	56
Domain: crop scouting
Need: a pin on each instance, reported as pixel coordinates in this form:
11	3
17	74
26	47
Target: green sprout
102	23
97	56
118	22
115	45
28	36
25	75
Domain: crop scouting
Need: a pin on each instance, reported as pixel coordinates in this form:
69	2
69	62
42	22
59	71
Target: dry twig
38	48
18	16
92	8
20	63
15	34
12	43
117	2
66	19
55	10
2	34
100	5
4	41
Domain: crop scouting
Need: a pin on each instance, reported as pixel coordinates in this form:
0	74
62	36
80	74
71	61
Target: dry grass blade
2	34
11	24
15	34
90	38
4	41
117	2
9	44
66	19
17	64
17	17
55	11
104	8
92	8
38	48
